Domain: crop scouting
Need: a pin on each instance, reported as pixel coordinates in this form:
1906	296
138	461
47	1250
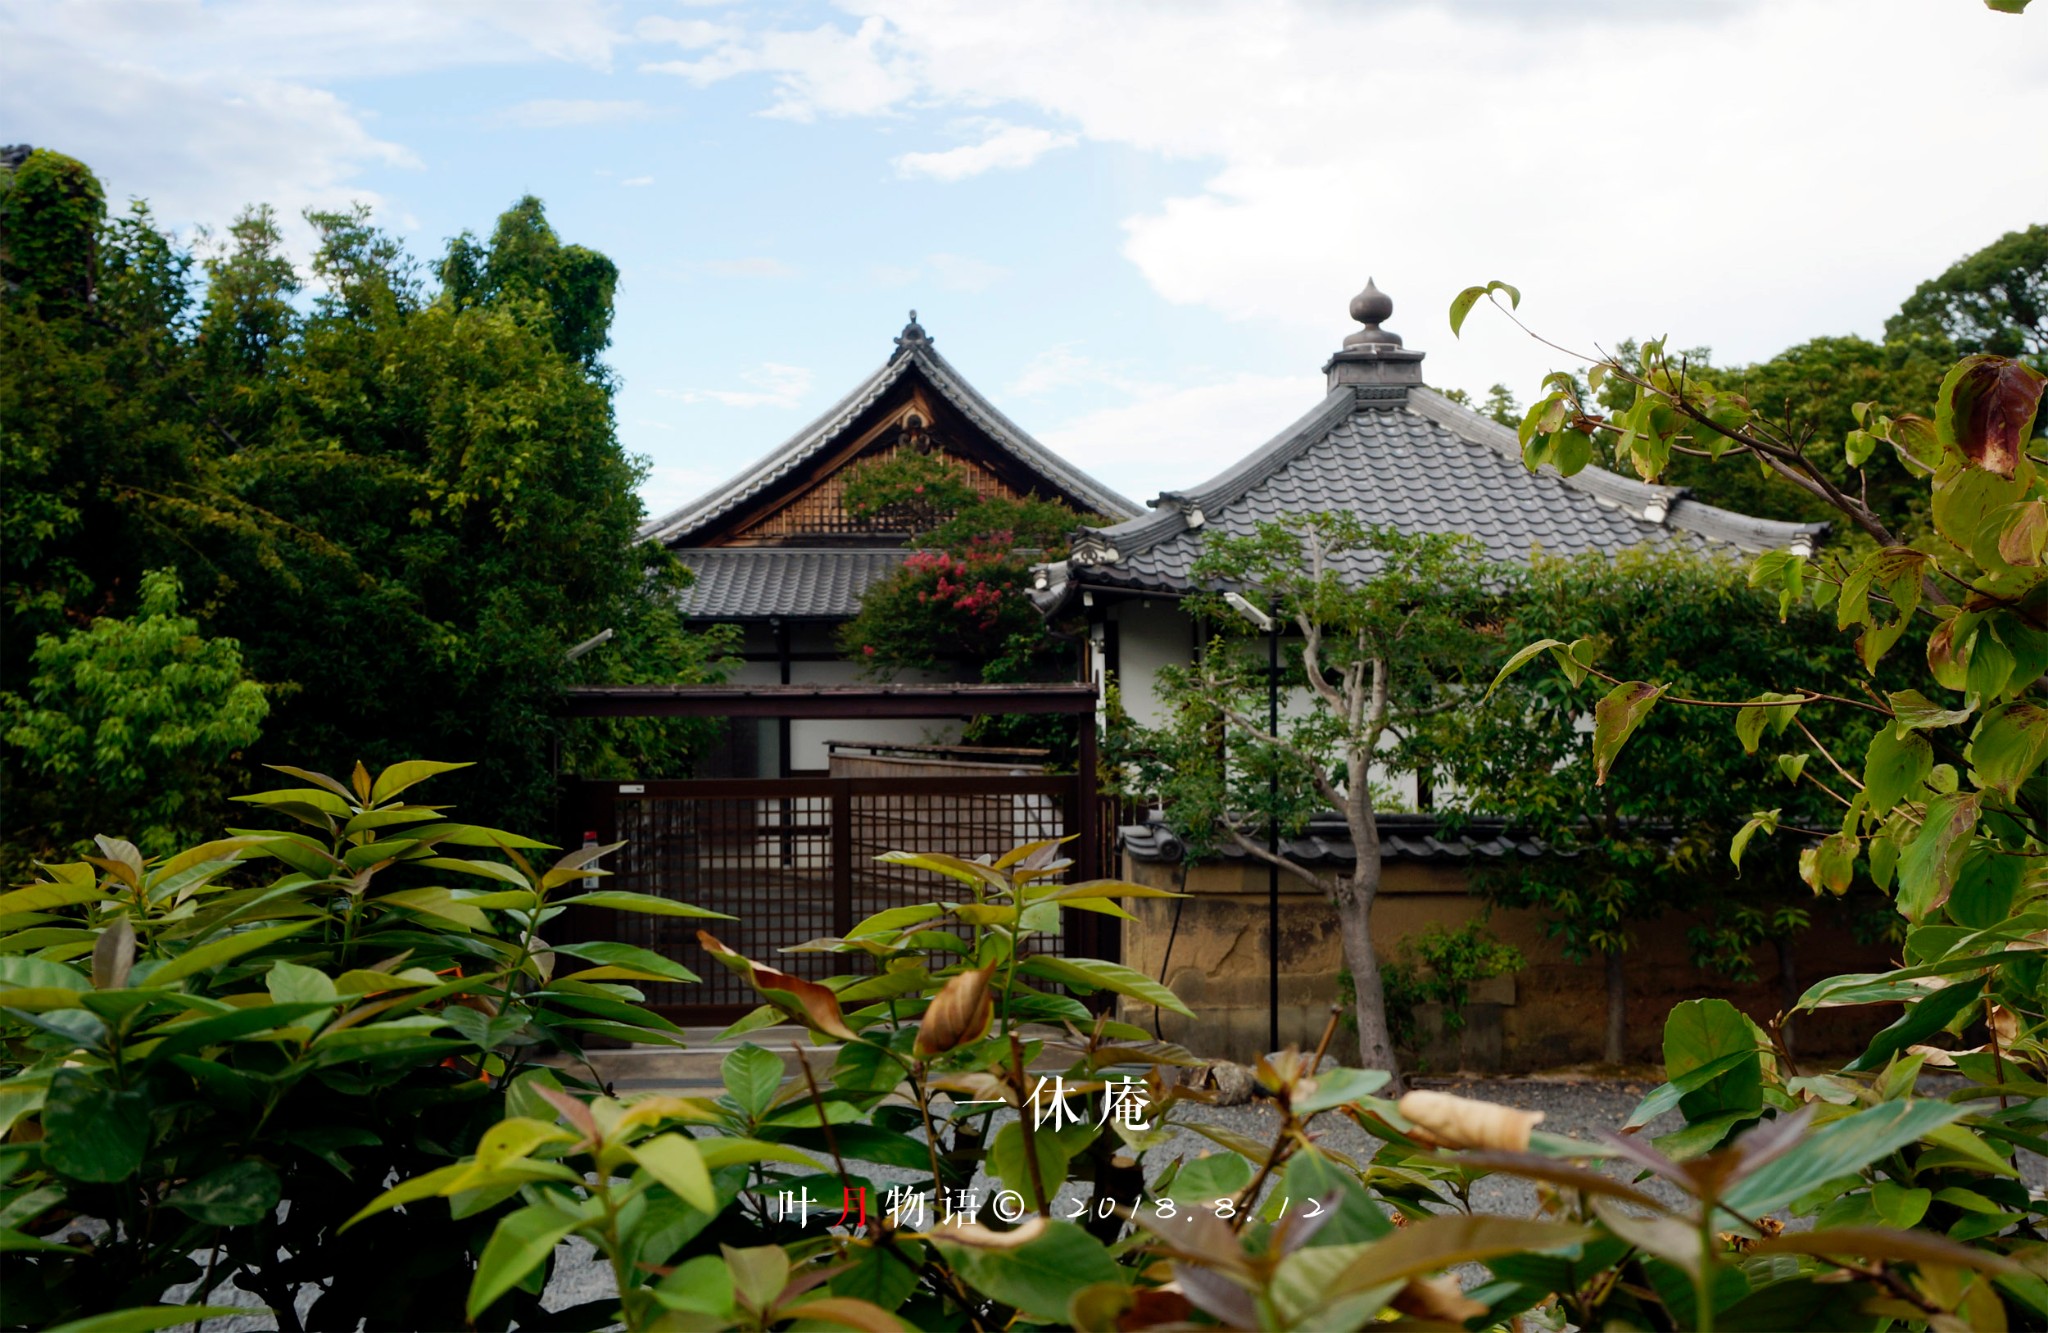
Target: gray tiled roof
753	582
679	526
1326	842
1413	460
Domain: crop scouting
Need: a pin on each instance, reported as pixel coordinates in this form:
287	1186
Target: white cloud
822	71
549	113
198	147
772	384
690	34
1064	367
1441	144
1172	438
204	108
1009	149
752	266
634	182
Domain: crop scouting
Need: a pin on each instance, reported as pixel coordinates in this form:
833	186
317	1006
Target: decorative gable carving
815	513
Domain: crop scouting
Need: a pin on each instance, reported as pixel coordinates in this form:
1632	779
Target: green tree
1995	300
1373	657
962	600
129	723
1647	839
418	492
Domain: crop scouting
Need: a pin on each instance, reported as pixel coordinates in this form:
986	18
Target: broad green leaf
190	1035
1699	1033
31	973
1101	975
1615	719
753	1076
522	1242
437	902
1928	864
1038	1276
1006	1162
1461	306
1894	766
627	955
759	1273
1522	659
622	900
1914	711
411	1191
723	1152
1913	1247
1831	865
895	920
1311	1175
1765	821
1211	1177
1446	1241
91	1132
2008	746
148	1318
224	950
673	1160
1336	1087
237	1195
953	867
1833	1151
43	897
398	777
1923	1018
463	865
1773	709
289	983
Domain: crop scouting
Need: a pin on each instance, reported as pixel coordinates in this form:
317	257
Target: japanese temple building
775	551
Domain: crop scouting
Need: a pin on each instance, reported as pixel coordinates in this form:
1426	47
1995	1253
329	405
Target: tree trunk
1788	989
1353	901
1617	1010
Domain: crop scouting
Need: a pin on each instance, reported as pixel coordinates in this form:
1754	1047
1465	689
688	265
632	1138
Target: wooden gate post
840	807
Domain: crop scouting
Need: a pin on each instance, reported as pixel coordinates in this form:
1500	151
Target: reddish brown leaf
814	1005
958	1014
1987	408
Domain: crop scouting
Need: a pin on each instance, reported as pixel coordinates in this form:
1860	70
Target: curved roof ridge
1168	515
1625	493
779	461
1015	438
951	385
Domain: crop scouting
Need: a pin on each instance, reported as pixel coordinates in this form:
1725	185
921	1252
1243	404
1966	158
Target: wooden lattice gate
793	860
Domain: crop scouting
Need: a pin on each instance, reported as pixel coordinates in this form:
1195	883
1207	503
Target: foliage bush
131	721
358	476
189	1041
1438	967
962	600
948	1072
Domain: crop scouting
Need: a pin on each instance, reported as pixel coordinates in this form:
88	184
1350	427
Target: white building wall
1155	634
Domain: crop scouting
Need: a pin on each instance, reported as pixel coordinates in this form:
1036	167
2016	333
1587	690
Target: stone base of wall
1211	949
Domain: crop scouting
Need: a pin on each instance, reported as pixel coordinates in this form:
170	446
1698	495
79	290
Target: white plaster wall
1157	634
809	737
1150	635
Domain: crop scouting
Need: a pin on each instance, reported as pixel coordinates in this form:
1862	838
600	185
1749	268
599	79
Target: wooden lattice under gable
818	511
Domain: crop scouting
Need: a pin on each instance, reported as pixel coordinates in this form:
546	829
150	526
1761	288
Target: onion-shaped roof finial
1371	308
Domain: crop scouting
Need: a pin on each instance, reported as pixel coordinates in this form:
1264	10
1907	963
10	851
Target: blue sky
1135	226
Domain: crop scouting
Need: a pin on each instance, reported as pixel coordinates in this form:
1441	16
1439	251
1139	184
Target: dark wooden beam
825	701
